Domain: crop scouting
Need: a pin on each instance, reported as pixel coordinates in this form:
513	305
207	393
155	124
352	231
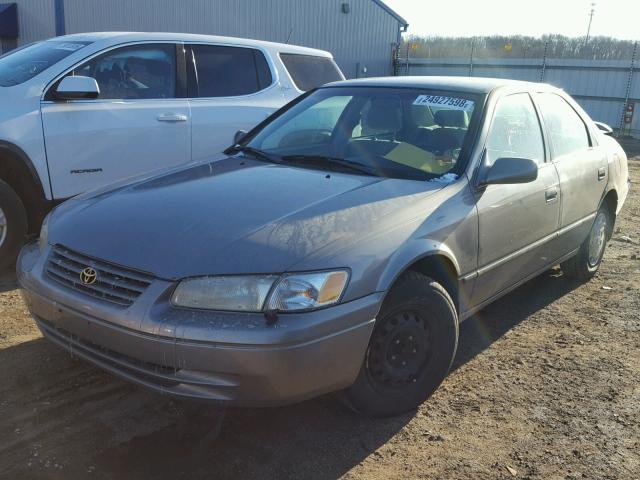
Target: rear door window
309	72
222	71
567	130
25	63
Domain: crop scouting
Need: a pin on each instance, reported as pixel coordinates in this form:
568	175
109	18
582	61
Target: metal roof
392	12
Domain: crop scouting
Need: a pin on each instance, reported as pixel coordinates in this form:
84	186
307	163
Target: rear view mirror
604	128
77	88
239	135
511	170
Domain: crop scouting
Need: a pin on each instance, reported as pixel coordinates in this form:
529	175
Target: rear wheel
410	351
13	225
586	262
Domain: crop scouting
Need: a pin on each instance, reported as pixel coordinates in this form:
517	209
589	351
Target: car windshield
393	132
24	64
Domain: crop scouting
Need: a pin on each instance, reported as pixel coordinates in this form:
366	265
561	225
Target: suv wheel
410	351
586	262
13	225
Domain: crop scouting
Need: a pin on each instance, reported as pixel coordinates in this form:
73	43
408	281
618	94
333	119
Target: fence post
628	88
544	61
473	46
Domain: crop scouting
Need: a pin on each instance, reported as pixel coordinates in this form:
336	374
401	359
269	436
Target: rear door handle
172	117
551	195
602	173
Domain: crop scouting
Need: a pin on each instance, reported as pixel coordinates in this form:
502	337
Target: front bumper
232	358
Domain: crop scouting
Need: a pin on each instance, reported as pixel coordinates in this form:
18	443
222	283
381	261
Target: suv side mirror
77	88
239	135
604	128
511	170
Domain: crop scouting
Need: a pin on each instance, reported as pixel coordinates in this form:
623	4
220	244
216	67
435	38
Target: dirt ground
545	385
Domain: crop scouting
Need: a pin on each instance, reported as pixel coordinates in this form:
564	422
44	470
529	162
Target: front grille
113	283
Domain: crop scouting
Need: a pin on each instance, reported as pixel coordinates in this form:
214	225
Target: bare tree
519	46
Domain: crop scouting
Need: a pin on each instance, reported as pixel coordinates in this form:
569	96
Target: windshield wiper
255	152
322	160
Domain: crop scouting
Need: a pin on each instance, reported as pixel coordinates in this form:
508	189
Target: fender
30	189
412	252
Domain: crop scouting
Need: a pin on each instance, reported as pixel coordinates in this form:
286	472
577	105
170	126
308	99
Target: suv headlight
257	293
44	233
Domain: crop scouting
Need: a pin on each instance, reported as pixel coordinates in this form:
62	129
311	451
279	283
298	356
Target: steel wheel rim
597	239
3	227
399	351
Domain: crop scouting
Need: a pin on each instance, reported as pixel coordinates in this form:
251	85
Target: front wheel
586	262
410	351
13	225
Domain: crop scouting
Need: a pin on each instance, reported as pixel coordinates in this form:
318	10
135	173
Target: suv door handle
551	195
602	173
172	117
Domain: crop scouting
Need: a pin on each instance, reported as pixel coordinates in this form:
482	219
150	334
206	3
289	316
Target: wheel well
611	201
15	172
442	270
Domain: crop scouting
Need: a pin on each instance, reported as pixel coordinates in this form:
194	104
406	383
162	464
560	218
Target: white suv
81	111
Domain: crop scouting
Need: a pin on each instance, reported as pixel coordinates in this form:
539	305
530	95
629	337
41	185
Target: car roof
461	84
123	37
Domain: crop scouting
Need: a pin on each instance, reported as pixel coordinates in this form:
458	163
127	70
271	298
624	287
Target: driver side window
515	131
134	72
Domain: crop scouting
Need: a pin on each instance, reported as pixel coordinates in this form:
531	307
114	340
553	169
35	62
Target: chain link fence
603	77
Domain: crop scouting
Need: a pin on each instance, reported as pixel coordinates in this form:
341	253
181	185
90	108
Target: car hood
233	216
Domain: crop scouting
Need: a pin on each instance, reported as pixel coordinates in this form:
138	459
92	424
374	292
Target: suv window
309	72
229	71
134	72
567	130
515	130
25	63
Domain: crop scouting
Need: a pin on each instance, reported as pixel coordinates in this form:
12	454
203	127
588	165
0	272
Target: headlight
44	233
306	291
250	293
242	293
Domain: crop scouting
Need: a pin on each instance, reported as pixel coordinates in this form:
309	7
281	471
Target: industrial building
361	34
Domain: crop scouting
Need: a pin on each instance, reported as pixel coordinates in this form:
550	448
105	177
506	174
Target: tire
13	225
583	266
417	325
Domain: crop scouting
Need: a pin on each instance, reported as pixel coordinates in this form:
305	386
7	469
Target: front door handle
172	117
602	173
551	195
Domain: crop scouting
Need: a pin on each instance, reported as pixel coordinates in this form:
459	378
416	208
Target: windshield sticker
72	47
451	103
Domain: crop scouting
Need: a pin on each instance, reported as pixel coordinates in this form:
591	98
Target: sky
615	18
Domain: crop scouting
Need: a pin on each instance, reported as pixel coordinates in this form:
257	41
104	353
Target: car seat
452	128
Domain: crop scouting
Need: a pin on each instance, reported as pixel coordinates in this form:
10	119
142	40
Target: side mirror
77	88
239	135
511	170
604	128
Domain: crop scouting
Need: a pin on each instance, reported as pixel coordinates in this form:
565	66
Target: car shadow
8	280
478	332
108	427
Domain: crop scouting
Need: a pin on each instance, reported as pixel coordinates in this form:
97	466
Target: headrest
451	118
384	114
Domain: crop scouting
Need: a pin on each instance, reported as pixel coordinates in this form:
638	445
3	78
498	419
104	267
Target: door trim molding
496	263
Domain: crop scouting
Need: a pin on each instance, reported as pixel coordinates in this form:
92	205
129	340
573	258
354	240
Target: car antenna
289	37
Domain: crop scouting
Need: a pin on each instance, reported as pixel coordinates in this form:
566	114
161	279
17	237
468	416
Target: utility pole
591	14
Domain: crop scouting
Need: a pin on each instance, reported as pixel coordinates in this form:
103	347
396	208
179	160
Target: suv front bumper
231	358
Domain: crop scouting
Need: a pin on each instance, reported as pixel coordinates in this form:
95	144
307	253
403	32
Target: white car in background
82	111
